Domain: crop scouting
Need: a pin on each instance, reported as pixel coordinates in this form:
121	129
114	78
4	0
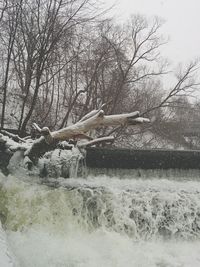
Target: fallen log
50	140
79	129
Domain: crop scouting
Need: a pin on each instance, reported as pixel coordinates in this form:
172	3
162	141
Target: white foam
6	259
40	248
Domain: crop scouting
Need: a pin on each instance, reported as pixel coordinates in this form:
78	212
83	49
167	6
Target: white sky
182	23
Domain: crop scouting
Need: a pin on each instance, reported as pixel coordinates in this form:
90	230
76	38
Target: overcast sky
182	23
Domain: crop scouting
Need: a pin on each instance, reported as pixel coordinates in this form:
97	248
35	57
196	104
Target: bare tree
3	8
43	24
11	22
60	63
186	85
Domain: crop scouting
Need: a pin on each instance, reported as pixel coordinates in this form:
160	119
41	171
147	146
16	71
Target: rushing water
102	221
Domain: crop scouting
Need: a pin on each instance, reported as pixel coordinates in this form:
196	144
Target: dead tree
33	150
93	120
79	129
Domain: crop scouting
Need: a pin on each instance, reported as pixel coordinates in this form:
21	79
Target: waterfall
102	221
171	174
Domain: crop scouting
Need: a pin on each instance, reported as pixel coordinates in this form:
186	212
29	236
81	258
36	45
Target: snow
14	146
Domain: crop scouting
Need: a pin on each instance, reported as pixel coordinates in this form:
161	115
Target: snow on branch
90	122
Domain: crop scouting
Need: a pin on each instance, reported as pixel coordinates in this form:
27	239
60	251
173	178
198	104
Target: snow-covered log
79	129
33	150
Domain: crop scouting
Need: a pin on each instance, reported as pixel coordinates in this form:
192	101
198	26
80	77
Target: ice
61	163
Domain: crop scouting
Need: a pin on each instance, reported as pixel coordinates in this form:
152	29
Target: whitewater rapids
101	222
